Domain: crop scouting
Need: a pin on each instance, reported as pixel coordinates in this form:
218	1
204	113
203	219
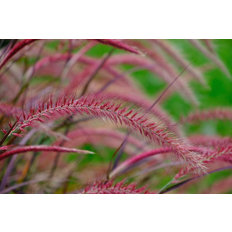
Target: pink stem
40	148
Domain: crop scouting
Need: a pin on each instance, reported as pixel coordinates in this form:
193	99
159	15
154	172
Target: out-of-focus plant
137	116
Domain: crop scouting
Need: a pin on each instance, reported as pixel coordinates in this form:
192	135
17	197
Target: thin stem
167	89
97	70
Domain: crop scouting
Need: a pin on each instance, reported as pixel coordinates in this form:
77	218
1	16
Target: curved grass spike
97	106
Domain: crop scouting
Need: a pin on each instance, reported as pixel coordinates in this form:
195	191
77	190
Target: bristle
118	188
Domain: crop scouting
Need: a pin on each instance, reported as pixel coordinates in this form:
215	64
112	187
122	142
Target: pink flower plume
205	115
118	188
97	106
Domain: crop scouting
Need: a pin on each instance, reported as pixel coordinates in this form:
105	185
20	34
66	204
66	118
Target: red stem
40	148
